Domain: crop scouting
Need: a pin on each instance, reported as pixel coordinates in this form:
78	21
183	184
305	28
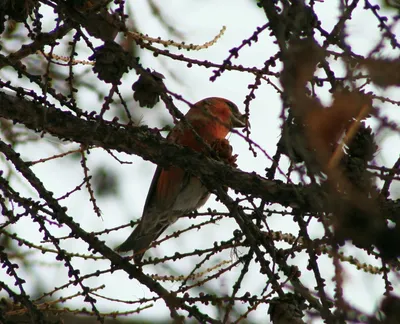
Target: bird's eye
232	106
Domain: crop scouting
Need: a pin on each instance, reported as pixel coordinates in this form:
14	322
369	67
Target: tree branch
149	145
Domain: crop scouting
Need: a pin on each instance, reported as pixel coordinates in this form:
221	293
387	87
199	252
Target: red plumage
173	192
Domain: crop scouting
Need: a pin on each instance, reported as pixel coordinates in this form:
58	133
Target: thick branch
145	143
151	146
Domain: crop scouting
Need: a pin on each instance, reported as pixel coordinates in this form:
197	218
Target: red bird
173	192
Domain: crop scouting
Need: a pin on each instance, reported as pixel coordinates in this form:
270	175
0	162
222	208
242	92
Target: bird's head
223	110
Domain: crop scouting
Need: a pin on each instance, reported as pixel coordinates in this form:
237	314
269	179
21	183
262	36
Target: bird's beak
239	120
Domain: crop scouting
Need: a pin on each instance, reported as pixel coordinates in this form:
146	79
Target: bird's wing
164	189
155	218
168	183
152	190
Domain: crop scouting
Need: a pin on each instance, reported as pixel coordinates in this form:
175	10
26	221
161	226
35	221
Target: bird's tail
140	240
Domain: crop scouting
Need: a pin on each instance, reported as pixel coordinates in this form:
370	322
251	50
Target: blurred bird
174	192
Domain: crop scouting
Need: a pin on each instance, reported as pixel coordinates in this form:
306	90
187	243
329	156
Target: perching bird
173	192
